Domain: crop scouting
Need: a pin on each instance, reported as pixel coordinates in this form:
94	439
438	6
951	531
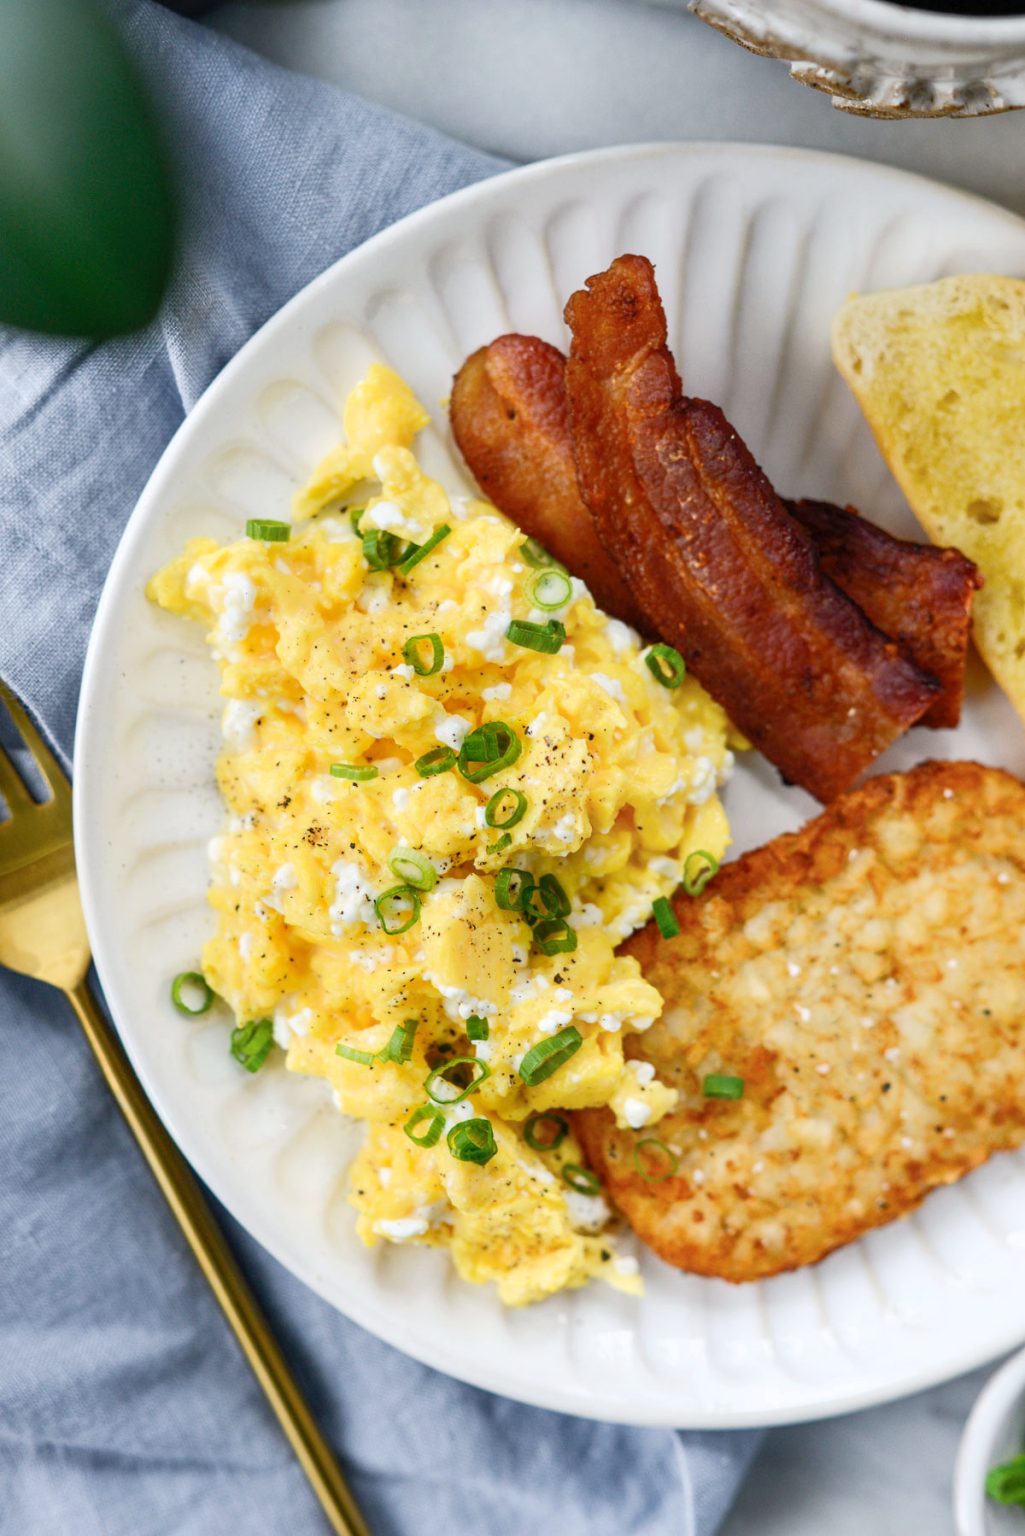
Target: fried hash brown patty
866	978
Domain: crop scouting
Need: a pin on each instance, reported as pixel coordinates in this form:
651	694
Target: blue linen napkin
125	1407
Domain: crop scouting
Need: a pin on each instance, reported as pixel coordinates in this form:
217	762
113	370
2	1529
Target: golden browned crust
866	977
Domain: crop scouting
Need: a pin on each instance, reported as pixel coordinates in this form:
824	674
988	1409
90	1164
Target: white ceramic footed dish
885	60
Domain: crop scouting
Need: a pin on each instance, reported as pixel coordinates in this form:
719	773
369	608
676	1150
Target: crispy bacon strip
916	593
714	559
510	420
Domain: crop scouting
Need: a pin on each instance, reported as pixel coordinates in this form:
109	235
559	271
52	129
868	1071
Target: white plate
755	248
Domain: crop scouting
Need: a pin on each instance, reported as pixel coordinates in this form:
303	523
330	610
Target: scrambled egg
613	786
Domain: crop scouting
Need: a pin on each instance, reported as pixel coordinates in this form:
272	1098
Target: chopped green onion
472	1141
477	1028
400	1046
546	638
550	589
666	1161
251	1043
694	883
193	980
533	905
501	844
554	936
269	530
355	771
437	760
515	814
487	750
543	1141
452	1093
513	888
418	552
412	655
547	1056
554	896
432	1135
355	513
381	549
721	1085
1006	1483
363	1058
665	917
413	868
391	910
581	1179
536	555
666	665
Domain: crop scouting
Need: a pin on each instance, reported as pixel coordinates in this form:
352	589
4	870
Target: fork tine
45	761
11	787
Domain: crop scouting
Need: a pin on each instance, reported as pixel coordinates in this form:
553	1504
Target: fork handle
215	1259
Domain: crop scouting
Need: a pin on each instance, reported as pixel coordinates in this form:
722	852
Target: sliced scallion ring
269	530
192	981
442	1090
501	844
665	917
547	1056
549	589
381	549
436	1124
554	936
654	1161
398	909
666	665
487	750
581	1179
417	552
698	868
546	638
477	1028
513	888
437	760
472	1141
554	896
359	773
722	1085
413	655
362	1058
541	1139
514	813
355	513
533	905
535	554
400	1046
413	868
252	1043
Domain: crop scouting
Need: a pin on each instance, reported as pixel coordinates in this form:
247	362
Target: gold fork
42	934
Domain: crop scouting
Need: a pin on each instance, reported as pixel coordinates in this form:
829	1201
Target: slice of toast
939	371
863	976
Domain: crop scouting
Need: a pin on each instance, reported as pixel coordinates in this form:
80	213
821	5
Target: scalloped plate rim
584	1400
